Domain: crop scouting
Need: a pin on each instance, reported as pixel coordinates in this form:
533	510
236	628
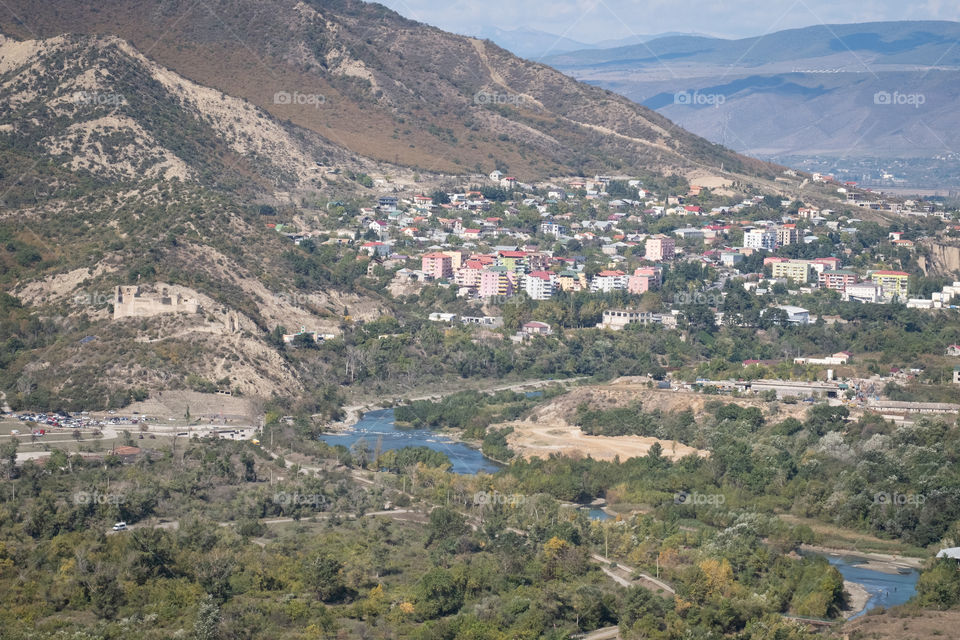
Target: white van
120	526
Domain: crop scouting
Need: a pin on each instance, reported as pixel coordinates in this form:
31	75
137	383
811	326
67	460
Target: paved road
643	576
607	633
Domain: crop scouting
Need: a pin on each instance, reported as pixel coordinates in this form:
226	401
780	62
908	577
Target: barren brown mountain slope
391	88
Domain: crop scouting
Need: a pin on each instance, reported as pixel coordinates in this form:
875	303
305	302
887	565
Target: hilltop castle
131	302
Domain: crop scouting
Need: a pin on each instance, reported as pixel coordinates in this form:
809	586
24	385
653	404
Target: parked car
120	526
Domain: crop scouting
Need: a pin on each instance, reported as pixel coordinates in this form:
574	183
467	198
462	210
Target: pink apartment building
659	247
438	266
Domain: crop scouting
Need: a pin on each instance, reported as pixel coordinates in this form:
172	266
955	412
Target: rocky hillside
384	87
117	171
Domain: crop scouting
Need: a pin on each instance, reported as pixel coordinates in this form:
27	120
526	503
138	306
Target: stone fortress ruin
132	302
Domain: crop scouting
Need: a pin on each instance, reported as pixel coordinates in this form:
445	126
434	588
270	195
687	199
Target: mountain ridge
393	90
872	91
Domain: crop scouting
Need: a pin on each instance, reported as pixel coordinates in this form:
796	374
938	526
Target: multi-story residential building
388	203
456	259
825	264
838	280
512	260
731	258
896	284
438	266
495	281
765	239
552	229
537	261
644	279
617	319
787	234
796	270
569	280
469	274
659	247
609	281
539	284
863	292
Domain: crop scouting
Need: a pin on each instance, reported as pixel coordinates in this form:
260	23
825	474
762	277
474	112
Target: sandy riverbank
858	598
351	416
883	562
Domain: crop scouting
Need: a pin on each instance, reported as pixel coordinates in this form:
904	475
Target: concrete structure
513	260
484	321
442	317
841	357
795	315
956	375
836	280
552	229
731	258
795	270
469	274
536	329
438	266
863	292
131	302
607	281
456	259
617	319
896	284
388	203
912	407
644	279
947	294
570	280
825	264
494	281
539	285
797	389
659	247
765	239
787	234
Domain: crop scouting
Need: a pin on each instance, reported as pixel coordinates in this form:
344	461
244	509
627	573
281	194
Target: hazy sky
595	20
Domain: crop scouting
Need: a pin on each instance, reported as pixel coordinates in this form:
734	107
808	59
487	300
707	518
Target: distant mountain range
881	90
535	45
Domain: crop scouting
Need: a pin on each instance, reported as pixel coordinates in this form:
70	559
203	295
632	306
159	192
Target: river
885	589
380	424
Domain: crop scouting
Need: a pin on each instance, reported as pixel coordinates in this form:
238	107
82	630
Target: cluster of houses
505	272
485	256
